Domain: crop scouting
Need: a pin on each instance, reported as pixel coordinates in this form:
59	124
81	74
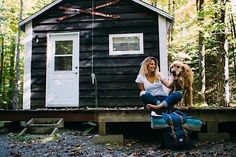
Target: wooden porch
211	117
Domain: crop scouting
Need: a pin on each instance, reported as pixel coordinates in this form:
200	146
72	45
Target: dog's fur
183	80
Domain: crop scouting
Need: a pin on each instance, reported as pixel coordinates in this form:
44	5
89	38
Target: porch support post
213	133
103	137
102	128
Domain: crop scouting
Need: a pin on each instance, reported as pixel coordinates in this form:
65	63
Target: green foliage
33	138
89	127
16	137
184	46
8	33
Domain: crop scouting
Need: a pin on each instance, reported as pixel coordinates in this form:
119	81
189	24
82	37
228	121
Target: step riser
43	126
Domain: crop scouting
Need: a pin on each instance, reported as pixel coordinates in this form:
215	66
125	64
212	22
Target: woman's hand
168	82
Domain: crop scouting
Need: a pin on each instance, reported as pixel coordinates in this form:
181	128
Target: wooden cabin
78	57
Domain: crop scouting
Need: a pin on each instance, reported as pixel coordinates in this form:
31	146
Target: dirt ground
69	142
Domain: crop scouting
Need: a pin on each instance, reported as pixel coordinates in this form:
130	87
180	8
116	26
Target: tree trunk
226	55
171	9
226	68
1	63
220	38
17	67
201	48
232	26
1	70
12	76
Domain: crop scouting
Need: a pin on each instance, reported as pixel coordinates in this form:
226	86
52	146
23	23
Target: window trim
139	35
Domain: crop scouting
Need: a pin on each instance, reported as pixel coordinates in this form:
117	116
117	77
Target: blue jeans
167	101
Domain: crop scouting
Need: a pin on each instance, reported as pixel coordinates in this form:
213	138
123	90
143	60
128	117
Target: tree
200	37
201	49
2	53
226	57
17	66
10	58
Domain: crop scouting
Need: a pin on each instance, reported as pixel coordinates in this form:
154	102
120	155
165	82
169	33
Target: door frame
51	54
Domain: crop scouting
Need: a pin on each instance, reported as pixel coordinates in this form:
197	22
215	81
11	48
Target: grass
32	138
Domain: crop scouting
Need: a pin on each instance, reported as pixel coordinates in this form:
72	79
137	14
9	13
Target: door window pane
64	47
63	63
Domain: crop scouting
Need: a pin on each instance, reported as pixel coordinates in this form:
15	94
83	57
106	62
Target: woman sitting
151	83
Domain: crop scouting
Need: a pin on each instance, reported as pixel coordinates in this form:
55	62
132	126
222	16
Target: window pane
63	63
64	47
126	44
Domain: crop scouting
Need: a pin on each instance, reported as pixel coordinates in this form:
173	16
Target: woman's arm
141	86
169	83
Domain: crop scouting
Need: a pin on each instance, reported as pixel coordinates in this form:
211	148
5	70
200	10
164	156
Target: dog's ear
185	70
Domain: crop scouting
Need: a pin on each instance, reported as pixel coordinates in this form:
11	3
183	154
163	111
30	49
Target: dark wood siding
115	74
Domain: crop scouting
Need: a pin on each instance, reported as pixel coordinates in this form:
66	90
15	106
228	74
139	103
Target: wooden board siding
115	74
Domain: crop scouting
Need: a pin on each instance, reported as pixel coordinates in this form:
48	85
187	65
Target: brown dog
183	80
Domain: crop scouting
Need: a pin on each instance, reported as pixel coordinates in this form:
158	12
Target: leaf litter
75	143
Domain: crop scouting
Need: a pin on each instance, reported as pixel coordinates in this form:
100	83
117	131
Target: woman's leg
147	98
158	105
170	100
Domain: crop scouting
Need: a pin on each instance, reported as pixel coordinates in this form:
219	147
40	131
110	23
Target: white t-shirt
155	88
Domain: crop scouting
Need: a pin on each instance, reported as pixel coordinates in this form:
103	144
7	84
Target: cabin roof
155	9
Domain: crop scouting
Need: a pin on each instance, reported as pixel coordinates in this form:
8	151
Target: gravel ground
74	143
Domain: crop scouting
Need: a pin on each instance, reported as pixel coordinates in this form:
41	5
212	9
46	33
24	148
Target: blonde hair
144	67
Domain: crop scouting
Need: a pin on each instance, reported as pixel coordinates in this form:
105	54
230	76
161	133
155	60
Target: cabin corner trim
163	45
27	66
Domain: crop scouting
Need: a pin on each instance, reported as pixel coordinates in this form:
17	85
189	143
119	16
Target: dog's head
177	68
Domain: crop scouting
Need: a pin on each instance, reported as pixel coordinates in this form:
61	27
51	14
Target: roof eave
23	22
157	10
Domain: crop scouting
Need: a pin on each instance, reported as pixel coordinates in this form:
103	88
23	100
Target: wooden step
43	125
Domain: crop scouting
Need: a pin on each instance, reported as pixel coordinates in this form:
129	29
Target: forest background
201	35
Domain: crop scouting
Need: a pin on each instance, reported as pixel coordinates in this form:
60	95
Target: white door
62	86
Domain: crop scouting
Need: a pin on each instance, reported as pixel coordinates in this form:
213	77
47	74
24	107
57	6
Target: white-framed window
120	44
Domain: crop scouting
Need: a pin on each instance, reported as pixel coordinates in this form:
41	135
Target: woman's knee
178	95
173	98
145	94
148	98
142	93
175	95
